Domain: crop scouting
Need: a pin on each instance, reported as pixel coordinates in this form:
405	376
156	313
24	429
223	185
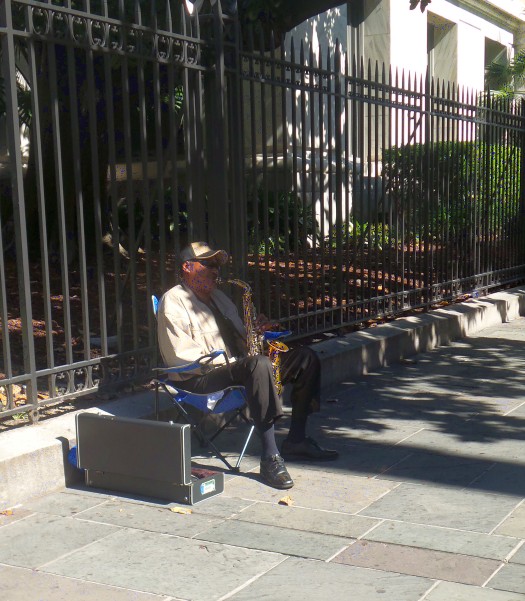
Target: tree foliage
506	77
422	4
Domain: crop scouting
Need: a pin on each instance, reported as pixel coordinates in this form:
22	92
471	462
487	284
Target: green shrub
451	186
282	223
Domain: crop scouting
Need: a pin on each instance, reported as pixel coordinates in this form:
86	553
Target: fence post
193	120
215	147
8	71
521	241
236	157
339	219
427	193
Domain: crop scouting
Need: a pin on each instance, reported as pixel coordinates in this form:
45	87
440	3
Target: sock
297	431
269	446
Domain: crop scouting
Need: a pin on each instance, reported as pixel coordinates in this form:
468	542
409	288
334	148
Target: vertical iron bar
301	205
62	224
296	293
315	198
331	195
19	208
405	189
216	167
338	117
131	323
428	145
159	212
354	109
446	197
5	360
262	289
116	317
173	140
145	196
96	178
274	285
521	214
194	115
319	294
37	150
239	214
254	214
289	185
347	189
75	150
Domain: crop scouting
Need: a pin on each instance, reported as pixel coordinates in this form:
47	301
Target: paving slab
277	539
460	443
152	519
518	411
444	539
63	503
166	565
452	591
519	556
502	478
418	562
309	580
514	524
316	489
13	515
421	466
41	538
219	505
38	586
442	506
511	578
309	520
384	430
355	457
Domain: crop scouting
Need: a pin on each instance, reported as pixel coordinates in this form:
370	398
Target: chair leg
207	441
220	456
246	443
237	465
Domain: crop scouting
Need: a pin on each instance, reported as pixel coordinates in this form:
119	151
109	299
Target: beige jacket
187	328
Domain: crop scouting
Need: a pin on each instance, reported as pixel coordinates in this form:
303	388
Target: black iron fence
344	193
371	192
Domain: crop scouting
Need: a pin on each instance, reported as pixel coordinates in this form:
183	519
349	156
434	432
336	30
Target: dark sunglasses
208	263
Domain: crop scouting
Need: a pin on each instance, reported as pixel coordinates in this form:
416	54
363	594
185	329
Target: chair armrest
205	359
274	335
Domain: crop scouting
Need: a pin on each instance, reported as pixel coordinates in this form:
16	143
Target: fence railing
343	192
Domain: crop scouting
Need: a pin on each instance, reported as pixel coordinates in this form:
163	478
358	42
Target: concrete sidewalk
425	502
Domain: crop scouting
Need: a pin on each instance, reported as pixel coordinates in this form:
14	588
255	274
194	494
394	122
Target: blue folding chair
231	401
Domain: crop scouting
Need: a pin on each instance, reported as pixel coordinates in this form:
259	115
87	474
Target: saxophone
254	339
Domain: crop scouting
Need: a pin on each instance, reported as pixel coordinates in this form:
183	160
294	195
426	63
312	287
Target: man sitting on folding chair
195	318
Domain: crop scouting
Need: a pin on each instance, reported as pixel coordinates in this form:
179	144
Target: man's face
201	275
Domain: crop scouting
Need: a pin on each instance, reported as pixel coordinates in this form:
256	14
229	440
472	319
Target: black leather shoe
274	472
307	449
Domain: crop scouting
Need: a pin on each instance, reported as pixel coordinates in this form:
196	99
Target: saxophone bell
275	348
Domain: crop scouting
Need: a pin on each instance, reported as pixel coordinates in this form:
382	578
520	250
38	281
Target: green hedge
454	185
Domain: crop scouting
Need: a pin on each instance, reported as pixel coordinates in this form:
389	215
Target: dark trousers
299	367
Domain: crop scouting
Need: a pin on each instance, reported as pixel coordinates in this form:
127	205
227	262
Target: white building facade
456	39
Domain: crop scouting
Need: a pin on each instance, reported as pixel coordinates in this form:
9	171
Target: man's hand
263	324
